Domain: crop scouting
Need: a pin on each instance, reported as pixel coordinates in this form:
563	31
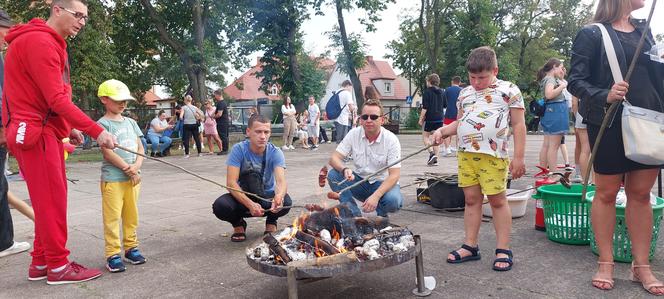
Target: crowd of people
485	116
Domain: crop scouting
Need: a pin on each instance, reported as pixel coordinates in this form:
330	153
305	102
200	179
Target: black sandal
474	255
507	259
240	237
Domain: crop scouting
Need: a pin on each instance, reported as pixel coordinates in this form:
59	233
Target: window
388	87
274	90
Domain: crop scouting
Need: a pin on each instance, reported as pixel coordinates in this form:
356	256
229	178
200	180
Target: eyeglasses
367	116
76	14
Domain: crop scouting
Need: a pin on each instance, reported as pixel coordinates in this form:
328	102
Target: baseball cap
116	90
5	19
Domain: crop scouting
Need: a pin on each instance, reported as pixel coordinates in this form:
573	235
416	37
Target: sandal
474	254
240	237
647	285
610	282
507	259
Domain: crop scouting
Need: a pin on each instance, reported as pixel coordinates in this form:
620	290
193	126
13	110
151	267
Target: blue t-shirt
452	94
241	156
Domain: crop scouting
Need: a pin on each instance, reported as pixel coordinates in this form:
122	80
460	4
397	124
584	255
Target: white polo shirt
369	157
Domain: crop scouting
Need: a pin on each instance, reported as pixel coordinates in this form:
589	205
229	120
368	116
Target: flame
319	252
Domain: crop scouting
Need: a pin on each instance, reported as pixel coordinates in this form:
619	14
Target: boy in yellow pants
488	108
120	178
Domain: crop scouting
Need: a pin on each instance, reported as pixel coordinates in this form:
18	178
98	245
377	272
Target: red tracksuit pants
43	169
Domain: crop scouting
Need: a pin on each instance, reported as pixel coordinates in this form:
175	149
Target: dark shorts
610	157
430	126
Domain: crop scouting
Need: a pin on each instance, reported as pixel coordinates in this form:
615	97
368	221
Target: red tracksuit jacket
37	81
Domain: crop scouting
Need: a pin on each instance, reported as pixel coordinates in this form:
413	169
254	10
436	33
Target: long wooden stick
614	105
192	173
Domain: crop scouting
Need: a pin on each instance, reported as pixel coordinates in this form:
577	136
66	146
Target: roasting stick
192	173
383	169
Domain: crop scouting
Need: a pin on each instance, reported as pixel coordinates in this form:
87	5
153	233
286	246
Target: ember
320	236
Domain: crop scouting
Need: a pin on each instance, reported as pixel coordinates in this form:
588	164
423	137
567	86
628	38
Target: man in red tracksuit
37	113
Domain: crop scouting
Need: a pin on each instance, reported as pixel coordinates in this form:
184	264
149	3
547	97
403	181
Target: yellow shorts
484	170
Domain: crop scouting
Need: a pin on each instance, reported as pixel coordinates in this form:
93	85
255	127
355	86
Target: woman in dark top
591	81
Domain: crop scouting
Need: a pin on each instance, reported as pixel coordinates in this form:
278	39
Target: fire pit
331	242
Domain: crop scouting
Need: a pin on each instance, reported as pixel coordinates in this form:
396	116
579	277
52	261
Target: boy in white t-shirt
487	109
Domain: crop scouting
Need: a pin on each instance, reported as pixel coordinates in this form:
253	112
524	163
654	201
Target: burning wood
332	236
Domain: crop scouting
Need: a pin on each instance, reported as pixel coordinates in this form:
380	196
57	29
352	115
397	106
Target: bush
413	118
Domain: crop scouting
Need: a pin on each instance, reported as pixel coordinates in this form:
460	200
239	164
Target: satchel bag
642	129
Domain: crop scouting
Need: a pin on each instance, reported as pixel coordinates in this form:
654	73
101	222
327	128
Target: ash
333	232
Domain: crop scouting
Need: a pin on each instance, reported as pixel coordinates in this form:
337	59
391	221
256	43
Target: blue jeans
176	128
145	145
155	140
391	201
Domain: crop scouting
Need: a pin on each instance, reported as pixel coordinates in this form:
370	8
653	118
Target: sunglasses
367	116
76	14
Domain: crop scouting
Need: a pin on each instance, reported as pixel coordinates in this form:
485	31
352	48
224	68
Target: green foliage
412	122
358	49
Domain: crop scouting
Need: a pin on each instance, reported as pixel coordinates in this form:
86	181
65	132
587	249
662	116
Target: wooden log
335	259
316	242
276	248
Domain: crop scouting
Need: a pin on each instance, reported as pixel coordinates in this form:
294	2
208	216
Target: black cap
5	19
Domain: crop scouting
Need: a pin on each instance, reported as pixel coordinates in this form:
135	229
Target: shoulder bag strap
611	56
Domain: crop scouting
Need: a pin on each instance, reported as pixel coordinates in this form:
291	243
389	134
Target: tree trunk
293	29
357	86
196	70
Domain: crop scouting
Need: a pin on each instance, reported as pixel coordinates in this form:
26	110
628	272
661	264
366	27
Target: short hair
218	92
66	2
370	92
481	59
375	103
456	79
433	79
160	112
257	118
188	98
346	83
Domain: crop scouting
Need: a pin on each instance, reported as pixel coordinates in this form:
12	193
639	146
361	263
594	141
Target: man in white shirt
373	147
344	122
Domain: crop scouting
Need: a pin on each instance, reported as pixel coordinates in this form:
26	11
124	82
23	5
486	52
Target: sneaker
221	153
152	154
432	159
17	247
134	257
329	141
35	274
305	147
186	156
449	152
72	273
433	162
114	264
158	155
291	147
285	148
200	155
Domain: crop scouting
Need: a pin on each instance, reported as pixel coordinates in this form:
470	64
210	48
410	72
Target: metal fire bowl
326	271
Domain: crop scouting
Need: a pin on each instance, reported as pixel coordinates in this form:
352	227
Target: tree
92	54
407	54
372	7
430	21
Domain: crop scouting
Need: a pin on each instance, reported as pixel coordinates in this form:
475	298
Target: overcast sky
316	42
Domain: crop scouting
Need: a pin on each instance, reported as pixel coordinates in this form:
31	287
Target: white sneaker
291	147
17	247
448	152
285	148
186	156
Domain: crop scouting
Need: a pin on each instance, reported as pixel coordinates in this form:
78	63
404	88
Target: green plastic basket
566	215
622	247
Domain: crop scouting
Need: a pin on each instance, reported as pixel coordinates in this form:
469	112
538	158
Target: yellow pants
119	201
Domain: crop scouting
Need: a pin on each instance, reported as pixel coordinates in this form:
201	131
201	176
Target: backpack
333	107
537	107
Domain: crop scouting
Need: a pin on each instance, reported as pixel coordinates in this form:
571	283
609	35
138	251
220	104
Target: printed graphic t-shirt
484	126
